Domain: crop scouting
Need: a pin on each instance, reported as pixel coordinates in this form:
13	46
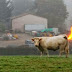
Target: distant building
28	22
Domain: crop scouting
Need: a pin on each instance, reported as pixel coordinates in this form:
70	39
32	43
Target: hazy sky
69	9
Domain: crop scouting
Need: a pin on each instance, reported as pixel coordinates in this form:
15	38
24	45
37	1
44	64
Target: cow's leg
60	54
41	53
61	50
46	52
67	51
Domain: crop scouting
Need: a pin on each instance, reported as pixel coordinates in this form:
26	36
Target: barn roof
24	14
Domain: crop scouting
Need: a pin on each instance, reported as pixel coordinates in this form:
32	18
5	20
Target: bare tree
6	8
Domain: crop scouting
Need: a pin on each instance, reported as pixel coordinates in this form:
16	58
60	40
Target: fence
23	50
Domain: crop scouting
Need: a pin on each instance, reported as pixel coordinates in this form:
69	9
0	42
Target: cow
52	43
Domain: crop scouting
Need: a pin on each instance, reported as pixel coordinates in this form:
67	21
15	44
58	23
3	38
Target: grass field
35	64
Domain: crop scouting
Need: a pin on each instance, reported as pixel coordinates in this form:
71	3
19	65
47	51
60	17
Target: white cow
52	43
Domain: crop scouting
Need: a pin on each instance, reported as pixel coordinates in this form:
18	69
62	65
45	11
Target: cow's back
53	42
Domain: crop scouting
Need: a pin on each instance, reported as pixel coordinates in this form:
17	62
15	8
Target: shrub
5	38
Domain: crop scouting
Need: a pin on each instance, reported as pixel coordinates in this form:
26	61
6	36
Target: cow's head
36	41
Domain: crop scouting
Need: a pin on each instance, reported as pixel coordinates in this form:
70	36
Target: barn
29	22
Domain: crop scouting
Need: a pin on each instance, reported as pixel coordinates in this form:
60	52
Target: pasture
35	64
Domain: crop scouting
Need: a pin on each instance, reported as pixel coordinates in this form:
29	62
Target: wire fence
24	50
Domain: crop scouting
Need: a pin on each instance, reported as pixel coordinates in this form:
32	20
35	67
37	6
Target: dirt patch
18	42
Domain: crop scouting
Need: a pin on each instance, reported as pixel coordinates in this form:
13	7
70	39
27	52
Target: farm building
28	22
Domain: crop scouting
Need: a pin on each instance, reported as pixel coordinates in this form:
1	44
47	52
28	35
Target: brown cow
52	43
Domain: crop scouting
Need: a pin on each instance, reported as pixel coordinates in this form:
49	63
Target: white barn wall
18	23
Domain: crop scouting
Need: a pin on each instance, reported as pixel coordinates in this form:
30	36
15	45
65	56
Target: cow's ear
32	39
40	39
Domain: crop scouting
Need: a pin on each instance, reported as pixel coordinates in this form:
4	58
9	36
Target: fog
21	6
69	9
54	11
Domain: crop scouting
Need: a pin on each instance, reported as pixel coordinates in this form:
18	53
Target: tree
5	11
54	10
22	6
2	27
